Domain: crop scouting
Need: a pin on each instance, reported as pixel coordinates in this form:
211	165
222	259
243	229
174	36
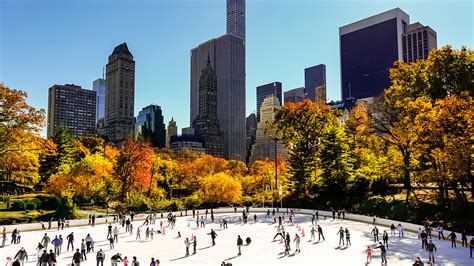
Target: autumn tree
220	188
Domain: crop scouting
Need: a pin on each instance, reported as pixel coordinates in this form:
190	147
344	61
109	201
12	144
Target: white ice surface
170	250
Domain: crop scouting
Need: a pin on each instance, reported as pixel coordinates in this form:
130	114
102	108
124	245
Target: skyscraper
99	87
227	53
295	95
119	95
417	42
251	129
264	147
236	18
207	124
315	83
263	91
368	48
171	131
72	107
150	127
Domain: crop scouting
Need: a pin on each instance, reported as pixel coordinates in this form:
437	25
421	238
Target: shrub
67	208
192	201
31	205
18	205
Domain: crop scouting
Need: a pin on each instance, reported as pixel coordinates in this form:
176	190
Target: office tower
149	126
228	56
207	124
263	91
236	18
119	95
188	131
368	49
99	87
72	107
264	147
417	42
295	95
187	143
171	131
315	83
251	130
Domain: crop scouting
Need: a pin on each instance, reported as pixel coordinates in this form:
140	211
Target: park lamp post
276	166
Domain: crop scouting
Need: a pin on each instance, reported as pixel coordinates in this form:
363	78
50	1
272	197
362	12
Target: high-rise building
266	136
99	87
315	82
207	123
251	131
119	95
150	127
227	53
295	95
263	91
72	107
192	143
236	18
417	42
368	49
172	130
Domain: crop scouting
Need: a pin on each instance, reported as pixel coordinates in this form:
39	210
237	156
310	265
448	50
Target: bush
67	208
18	205
48	202
138	203
192	201
31	205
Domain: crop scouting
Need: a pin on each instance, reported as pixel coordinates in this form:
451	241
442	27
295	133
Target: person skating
471	245
313	234
453	238
297	243
83	250
76	258
240	242
45	241
89	242
213	236
385	238
135	261
424	239
320	233
202	222
56	244
341	236
152	263
138	233
440	230
111	242
287	244
51	258
187	243
431	248
348	237
100	257
333	214
70	241
375	233
392	229
400	230
116	232
313	218
464	238
16	263
383	252
278	233
43	259
194	245
125	259
369	254
147	233
418	262
109	231
22	255
116	258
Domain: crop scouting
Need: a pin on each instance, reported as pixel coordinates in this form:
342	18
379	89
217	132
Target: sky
49	42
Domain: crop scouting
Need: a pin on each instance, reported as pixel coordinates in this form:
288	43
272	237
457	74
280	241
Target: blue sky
56	42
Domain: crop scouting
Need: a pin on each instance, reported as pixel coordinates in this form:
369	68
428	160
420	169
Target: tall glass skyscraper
263	91
149	126
99	87
315	83
236	18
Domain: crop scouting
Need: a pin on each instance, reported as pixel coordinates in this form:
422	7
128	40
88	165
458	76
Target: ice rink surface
170	249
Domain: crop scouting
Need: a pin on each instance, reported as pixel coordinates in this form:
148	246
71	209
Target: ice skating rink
170	249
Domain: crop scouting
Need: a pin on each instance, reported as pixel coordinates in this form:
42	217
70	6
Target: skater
383	253
348	237
111	243
369	254
61	244
56	243
70	241
138	233
440	232
464	238
287	244
116	232
392	229
240	242
418	262
453	238
116	258
131	229
135	261
194	245
76	258
45	241
375	233
83	250
255	218
424	239
278	233
125	260
431	248
341	236
213	236
313	218
152	233
21	255
297	243
186	242
400	230
43	259
147	233
471	245
313	232
88	242
202	222
320	233
385	238
109	231
100	257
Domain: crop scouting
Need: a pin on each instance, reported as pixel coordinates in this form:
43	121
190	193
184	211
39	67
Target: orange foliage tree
220	188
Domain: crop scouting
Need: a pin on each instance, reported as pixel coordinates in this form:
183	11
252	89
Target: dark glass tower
315	83
263	91
149	126
207	124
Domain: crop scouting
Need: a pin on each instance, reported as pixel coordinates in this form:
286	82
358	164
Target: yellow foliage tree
220	188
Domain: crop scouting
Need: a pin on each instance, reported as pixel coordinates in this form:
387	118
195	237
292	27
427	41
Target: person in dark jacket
22	255
76	258
100	257
464	238
51	258
240	242
453	238
213	236
383	252
431	248
43	260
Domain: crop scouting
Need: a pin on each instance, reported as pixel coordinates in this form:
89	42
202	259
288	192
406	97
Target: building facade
192	143
72	107
368	49
417	42
149	126
295	95
315	83
99	87
263	91
251	131
236	18
172	130
119	95
265	143
207	124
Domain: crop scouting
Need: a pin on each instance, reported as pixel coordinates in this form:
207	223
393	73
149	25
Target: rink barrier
141	216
